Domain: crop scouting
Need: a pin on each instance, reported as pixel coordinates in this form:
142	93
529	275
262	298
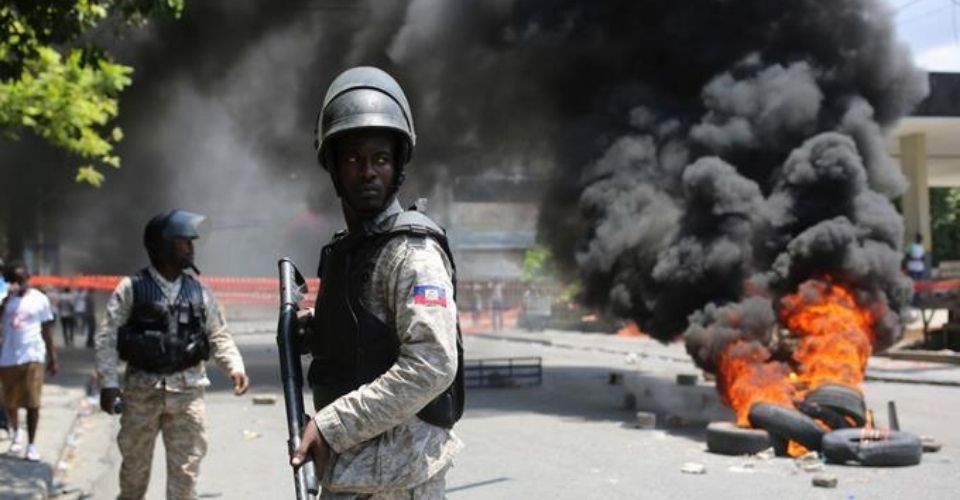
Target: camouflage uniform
380	448
170	404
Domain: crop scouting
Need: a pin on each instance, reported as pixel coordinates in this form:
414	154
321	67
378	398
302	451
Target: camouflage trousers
433	489
179	417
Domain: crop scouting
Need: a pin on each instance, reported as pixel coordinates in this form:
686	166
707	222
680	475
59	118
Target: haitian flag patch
429	295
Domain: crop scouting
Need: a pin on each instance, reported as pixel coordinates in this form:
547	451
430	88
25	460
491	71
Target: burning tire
833	419
787	424
726	438
843	399
872	448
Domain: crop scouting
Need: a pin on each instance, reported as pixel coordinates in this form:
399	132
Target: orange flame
835	338
836	335
630	329
746	375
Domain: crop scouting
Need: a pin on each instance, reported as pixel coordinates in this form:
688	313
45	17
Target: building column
916	200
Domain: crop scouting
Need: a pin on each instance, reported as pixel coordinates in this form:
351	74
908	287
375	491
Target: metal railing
503	372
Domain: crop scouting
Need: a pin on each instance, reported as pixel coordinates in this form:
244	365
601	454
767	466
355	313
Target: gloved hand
108	395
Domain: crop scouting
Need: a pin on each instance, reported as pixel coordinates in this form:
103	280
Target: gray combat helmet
160	231
364	97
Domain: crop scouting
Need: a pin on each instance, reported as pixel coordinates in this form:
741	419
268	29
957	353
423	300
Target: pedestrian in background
916	260
477	290
497	306
65	309
165	324
4	422
79	311
27	331
90	318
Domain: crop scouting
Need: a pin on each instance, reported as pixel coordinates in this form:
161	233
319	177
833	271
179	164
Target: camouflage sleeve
419	296
107	359
222	347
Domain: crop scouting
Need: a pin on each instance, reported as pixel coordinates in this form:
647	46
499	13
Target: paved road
570	438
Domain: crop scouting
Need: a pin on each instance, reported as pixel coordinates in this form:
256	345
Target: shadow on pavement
22	479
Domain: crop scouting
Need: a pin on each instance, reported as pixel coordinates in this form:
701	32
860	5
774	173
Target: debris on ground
265	400
250	435
930	445
810	462
825	481
693	468
646	420
766	454
744	468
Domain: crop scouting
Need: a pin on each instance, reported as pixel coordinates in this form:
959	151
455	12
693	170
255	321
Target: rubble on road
693	468
825	481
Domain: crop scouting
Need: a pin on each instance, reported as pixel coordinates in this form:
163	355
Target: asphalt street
569	438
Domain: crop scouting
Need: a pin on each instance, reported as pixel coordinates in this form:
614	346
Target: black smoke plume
701	154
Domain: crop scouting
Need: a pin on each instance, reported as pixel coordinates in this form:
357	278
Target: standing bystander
68	323
79	311
27	330
4	423
497	306
916	260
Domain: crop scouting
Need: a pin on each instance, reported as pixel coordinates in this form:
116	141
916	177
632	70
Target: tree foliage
945	223
538	265
58	83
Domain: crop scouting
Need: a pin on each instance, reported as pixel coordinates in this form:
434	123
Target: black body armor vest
350	345
148	343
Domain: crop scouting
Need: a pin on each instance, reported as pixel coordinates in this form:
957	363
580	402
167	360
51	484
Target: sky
932	30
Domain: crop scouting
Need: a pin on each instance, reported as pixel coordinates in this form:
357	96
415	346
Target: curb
897	380
61	467
930	356
920	355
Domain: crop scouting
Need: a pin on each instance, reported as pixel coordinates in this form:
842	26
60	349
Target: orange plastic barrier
924	286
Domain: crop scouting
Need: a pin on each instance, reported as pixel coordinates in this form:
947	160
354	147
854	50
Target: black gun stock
292	290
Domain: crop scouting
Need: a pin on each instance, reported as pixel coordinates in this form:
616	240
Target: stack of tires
839	407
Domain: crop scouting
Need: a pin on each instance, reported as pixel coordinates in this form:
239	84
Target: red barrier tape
229	289
265	291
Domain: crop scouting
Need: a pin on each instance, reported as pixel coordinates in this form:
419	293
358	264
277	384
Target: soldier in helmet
165	324
386	374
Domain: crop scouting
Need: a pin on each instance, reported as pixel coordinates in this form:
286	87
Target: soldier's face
183	252
365	168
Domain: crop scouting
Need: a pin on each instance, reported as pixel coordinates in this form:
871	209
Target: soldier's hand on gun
108	398
312	442
240	383
304	318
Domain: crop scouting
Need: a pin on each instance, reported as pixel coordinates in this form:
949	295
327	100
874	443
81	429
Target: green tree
945	223
58	83
538	265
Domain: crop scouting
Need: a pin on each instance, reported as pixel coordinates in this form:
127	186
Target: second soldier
165	324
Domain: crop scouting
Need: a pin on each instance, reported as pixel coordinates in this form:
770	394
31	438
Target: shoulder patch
430	295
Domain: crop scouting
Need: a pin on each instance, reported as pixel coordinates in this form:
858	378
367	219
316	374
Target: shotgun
293	288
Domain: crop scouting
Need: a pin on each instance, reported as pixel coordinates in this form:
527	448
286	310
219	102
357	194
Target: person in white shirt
27	331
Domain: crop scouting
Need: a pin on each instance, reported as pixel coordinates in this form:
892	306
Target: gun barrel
291	374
